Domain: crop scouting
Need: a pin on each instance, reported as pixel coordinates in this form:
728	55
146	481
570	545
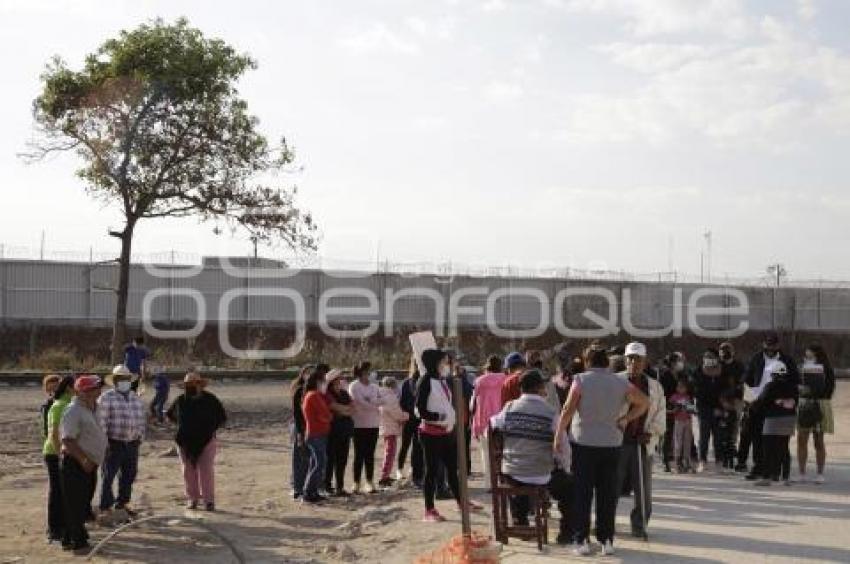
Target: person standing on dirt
487	402
121	414
318	416
597	399
366	398
410	433
84	445
815	416
300	454
438	418
135	358
199	415
342	427
640	438
757	375
707	387
60	392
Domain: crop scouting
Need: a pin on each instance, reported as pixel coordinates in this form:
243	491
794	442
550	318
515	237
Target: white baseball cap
636	349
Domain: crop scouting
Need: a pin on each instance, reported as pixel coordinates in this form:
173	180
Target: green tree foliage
158	122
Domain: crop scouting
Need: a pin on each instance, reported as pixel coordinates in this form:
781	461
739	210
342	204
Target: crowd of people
93	428
591	430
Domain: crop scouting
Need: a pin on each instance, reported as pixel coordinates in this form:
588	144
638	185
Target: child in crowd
681	407
392	423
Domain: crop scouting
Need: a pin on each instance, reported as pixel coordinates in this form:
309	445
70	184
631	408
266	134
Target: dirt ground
697	519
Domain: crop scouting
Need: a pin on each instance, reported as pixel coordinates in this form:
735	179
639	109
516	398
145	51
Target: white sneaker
356	488
608	549
820	480
583	549
399	475
700	467
369	488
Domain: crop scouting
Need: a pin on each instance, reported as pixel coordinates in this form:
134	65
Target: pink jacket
487	399
392	416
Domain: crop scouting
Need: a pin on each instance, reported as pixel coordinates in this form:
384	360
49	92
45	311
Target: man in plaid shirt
121	414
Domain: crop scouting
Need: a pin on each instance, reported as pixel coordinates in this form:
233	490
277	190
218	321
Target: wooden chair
502	489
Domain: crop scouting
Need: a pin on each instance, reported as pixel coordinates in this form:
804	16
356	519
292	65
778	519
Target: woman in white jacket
392	422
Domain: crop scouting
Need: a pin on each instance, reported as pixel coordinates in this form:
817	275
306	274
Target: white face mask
123	386
323	387
679	366
446	371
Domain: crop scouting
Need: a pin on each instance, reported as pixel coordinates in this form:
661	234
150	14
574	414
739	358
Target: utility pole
778	271
707	236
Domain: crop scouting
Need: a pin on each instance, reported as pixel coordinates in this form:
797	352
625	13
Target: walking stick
642	491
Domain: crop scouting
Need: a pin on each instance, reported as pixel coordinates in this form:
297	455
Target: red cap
86	383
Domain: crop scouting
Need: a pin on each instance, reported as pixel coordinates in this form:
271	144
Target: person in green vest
62	393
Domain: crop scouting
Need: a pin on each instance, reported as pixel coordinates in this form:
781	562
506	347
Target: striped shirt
122	417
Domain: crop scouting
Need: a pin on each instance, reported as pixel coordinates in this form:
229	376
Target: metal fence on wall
36	291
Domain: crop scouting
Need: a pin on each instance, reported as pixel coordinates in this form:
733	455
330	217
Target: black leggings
776	457
365	441
439	450
410	440
338	444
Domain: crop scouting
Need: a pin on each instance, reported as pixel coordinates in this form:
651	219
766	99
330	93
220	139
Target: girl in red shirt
318	417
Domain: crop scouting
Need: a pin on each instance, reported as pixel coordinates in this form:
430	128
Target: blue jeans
122	459
300	459
158	405
318	461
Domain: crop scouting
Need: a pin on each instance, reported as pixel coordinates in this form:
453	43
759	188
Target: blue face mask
123	386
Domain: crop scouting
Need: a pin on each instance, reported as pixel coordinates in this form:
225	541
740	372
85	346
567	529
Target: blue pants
318	447
122	459
158	405
300	460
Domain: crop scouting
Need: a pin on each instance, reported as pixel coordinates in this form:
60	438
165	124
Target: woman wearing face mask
365	397
342	427
777	401
814	416
199	415
707	384
436	430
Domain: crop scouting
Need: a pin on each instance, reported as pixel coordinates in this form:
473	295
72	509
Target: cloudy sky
584	133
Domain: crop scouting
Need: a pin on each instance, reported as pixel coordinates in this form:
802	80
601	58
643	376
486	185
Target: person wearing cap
640	438
342	427
757	374
121	414
392	420
595	410
486	402
84	445
198	415
528	425
514	366
61	394
777	402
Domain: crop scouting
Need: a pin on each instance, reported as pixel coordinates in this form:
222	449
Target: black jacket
755	369
779	389
707	390
407	401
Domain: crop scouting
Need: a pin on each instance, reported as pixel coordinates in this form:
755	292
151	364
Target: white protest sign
422	341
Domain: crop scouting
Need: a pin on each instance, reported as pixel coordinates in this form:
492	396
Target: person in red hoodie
514	367
318	418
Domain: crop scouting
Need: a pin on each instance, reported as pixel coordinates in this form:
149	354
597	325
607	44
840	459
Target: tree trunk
119	327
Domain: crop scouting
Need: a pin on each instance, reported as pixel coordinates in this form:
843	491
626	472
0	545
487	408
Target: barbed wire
415	268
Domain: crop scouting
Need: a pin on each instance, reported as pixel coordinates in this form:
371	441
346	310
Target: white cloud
806	9
494	6
658	17
377	37
761	94
502	92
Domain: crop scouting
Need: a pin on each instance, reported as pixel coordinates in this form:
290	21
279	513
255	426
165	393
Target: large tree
157	120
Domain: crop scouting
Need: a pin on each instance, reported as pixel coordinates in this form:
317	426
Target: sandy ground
698	519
